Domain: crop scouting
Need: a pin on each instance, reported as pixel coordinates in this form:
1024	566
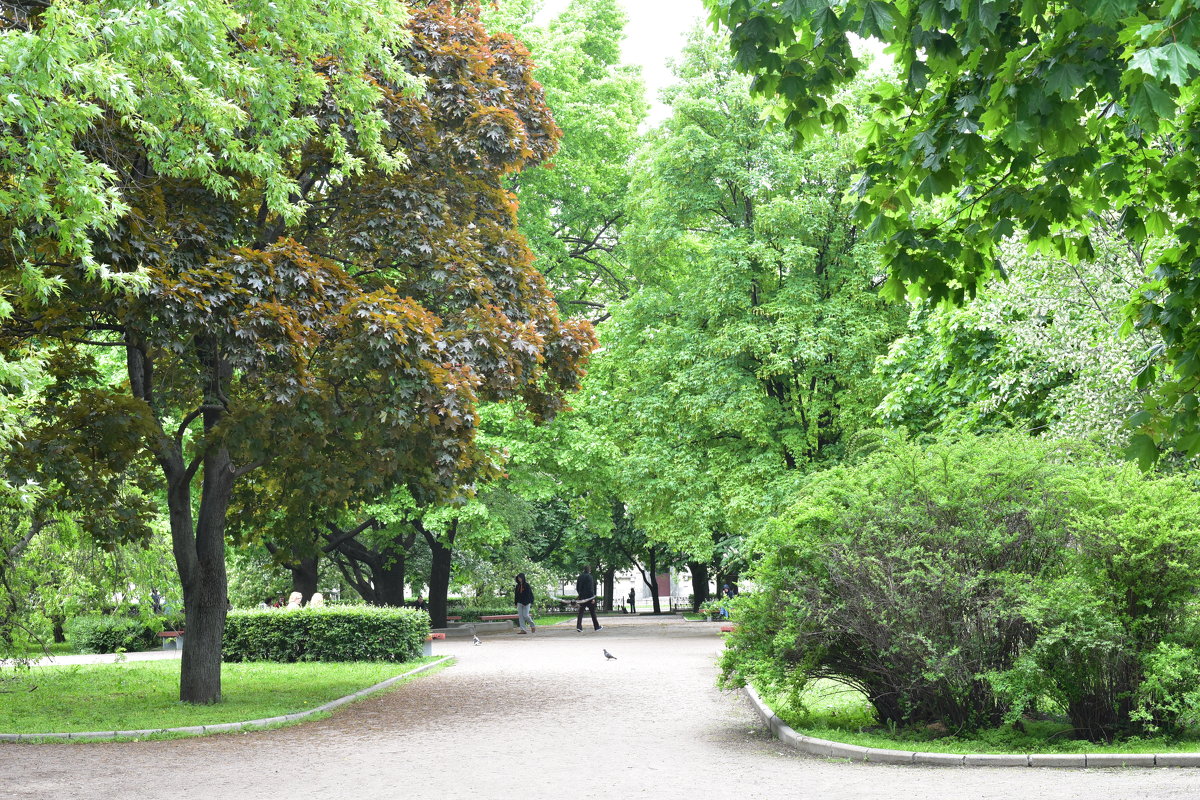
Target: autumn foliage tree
338	352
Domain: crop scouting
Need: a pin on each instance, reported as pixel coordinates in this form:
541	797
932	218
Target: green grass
140	695
832	710
552	619
54	649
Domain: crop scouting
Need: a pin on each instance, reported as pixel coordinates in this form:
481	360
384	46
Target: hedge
344	633
114	633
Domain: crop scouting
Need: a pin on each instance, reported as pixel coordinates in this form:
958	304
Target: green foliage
745	358
574	211
215	92
343	633
324	321
1116	628
115	633
1038	351
966	581
1010	116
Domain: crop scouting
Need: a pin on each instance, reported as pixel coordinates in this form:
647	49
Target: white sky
656	32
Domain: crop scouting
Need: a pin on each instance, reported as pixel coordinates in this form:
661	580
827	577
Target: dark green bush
962	582
344	633
112	633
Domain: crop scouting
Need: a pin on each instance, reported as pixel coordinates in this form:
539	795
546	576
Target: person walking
524	597
585	589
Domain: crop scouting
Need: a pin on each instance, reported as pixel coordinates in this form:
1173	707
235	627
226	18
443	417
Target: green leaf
1143	450
1176	62
1149	104
1066	79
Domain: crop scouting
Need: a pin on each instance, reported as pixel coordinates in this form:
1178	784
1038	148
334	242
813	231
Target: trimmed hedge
343	633
114	633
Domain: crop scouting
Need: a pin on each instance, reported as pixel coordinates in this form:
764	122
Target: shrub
344	633
114	633
1116	641
961	582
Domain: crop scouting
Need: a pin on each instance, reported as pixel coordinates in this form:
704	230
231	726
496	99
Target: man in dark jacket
585	588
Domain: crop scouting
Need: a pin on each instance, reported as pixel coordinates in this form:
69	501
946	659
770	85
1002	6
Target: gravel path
540	716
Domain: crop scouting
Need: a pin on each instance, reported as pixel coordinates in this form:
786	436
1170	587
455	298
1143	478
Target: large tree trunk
609	578
201	562
199	547
305	577
439	572
389	578
699	584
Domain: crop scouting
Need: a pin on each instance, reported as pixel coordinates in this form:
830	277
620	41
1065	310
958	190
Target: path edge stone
225	727
840	750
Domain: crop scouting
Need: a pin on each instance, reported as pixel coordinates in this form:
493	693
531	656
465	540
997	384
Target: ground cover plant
142	695
828	709
965	583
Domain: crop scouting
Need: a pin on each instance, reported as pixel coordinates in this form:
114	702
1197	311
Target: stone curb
828	749
224	727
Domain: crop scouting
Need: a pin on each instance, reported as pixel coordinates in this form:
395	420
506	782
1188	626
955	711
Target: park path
540	716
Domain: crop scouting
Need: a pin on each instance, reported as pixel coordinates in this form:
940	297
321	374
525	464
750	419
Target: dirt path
541	716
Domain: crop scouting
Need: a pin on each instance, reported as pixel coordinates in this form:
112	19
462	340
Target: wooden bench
497	617
174	638
453	619
726	629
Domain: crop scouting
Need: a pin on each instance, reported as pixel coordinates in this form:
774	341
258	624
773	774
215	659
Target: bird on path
609	655
475	639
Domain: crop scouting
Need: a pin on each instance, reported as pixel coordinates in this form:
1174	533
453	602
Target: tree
342	350
1011	118
1039	351
206	92
746	356
573	211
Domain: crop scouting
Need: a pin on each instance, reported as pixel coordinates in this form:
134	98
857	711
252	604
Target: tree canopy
1011	117
338	350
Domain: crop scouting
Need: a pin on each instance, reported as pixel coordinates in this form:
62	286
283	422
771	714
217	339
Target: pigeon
475	639
609	655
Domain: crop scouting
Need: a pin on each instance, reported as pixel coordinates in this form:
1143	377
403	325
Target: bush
115	633
963	581
1116	637
344	633
473	613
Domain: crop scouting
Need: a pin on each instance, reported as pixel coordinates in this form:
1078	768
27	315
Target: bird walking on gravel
475	639
608	655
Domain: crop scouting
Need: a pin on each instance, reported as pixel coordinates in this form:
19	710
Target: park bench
453	619
174	638
497	617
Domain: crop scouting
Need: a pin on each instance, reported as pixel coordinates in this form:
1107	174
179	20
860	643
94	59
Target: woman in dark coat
524	597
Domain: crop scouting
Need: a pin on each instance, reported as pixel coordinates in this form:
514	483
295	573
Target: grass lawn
53	649
552	619
831	710
140	695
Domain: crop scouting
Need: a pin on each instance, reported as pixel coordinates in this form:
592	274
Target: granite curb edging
224	727
830	749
